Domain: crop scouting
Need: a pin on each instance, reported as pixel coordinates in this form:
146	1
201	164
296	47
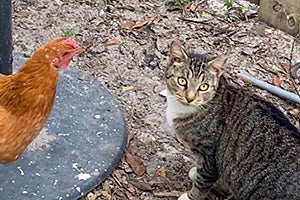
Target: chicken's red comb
71	42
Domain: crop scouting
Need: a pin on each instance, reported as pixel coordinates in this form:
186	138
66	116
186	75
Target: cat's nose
189	100
190	97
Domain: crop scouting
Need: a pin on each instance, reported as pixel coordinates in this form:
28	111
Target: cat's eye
181	81
203	87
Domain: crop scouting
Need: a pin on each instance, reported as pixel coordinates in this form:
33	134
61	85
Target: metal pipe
271	88
5	37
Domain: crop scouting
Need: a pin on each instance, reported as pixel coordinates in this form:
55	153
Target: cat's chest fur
175	109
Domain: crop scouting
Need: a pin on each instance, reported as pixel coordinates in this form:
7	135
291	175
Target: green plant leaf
228	4
69	33
240	9
72	34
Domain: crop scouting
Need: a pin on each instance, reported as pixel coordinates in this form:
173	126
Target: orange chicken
27	97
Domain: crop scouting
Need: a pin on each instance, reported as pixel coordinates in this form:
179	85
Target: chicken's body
27	97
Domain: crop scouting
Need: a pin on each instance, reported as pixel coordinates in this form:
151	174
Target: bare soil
130	62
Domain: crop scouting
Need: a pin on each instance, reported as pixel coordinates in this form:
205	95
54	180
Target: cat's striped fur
240	140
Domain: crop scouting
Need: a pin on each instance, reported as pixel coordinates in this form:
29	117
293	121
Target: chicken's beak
79	50
65	60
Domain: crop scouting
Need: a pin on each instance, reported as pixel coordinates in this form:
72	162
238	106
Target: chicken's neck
31	89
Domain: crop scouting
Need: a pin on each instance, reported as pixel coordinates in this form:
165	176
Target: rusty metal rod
5	37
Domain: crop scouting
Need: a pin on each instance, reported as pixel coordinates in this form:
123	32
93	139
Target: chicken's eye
66	53
181	81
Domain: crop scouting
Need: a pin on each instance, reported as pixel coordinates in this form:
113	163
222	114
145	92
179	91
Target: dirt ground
127	52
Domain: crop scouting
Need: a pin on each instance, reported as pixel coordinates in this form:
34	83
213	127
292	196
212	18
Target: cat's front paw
184	197
193	173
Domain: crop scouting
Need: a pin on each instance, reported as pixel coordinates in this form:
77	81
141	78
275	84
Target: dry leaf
106	195
142	185
87	43
193	8
120	193
133	146
130	194
286	67
146	22
206	15
161	172
113	41
277	81
127	25
127	88
295	112
59	2
269	30
136	164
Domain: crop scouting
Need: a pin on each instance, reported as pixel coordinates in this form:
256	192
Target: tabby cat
238	139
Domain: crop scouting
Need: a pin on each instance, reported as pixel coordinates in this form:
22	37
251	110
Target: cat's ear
177	53
217	64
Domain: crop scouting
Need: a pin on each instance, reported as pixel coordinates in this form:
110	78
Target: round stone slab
78	148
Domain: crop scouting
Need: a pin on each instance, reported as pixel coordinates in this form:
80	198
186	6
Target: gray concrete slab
78	148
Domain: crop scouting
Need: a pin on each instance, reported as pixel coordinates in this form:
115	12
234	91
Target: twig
292	48
270	88
195	20
290	61
167	194
116	179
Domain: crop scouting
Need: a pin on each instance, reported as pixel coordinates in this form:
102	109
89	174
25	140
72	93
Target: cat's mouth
190	103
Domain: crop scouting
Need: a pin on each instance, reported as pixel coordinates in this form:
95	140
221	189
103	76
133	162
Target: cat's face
190	77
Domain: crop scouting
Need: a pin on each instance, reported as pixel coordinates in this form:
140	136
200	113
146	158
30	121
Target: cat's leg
193	173
193	177
194	193
184	197
203	179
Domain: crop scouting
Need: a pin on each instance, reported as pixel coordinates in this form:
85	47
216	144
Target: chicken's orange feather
26	99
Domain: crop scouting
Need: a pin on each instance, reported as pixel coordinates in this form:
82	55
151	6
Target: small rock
152	60
248	51
97	116
163	93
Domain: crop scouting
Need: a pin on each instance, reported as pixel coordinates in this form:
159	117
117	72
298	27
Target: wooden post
281	14
5	37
